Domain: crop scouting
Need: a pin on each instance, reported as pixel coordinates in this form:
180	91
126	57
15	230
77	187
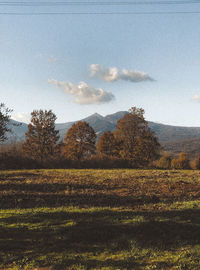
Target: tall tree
4	119
42	138
79	141
107	144
137	142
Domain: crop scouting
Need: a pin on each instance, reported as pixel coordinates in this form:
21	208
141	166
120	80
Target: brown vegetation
41	138
88	188
131	145
79	141
181	162
99	219
137	142
108	145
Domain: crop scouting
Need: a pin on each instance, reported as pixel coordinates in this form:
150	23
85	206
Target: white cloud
83	93
108	75
52	59
112	74
21	117
196	97
135	76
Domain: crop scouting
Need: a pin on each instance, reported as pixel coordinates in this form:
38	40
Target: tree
80	141
181	162
195	163
107	144
138	143
164	162
41	138
4	120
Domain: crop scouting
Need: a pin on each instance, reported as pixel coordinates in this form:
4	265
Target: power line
105	3
99	13
94	3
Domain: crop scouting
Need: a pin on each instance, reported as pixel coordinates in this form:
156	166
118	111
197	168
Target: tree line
133	144
132	141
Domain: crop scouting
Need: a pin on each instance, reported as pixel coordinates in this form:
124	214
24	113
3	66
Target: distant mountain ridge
172	138
98	122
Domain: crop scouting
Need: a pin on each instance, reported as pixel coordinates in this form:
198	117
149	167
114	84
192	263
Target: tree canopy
41	138
107	144
79	141
4	120
138	143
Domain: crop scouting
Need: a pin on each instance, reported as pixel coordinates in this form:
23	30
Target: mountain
172	138
99	123
18	130
167	133
190	146
113	118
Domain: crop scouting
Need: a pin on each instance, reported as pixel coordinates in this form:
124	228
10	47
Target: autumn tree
107	144
80	141
164	162
181	162
4	120
195	163
138	143
42	138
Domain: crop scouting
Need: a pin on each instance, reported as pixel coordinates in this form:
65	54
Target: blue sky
35	50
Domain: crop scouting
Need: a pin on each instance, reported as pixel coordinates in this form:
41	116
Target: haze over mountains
172	138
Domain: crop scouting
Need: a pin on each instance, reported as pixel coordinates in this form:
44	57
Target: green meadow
99	219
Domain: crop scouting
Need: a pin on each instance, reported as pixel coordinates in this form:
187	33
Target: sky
80	64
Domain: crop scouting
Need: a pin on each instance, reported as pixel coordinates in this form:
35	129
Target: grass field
99	219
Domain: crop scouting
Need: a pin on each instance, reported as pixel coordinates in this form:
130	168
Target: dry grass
99	219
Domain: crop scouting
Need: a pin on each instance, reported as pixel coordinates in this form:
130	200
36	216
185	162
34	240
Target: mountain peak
93	117
97	115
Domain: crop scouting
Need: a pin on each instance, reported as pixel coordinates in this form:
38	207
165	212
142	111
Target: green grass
99	219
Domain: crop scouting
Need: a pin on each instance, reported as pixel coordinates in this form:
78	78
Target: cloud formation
112	74
83	93
196	97
108	75
135	76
